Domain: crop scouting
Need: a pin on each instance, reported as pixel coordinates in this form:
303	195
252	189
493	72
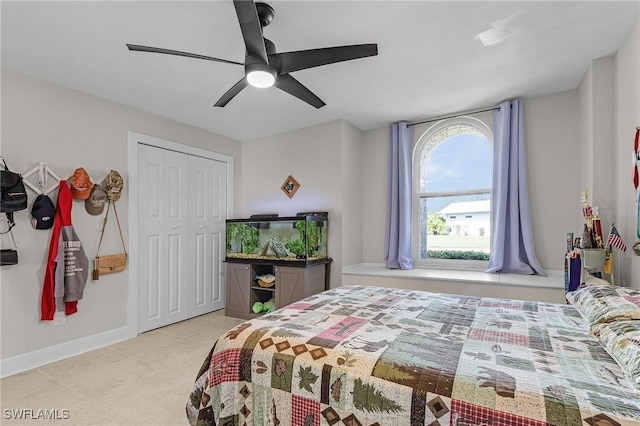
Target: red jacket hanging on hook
67	267
636	157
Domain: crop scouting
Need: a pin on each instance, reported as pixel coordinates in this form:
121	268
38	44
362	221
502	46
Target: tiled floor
141	381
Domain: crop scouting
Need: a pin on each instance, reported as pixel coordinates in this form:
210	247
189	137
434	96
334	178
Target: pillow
605	303
622	340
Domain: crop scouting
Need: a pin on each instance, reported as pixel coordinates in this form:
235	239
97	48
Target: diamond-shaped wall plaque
290	186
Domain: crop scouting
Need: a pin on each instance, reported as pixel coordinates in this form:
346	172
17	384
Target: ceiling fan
264	67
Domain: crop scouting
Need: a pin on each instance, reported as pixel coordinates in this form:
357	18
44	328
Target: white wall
602	128
595	135
352	184
585	137
551	145
627	118
327	162
313	156
375	152
66	129
551	124
609	111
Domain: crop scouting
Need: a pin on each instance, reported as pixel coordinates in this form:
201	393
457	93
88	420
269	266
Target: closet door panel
200	269
176	231
199	247
153	275
217	232
175	280
204	235
217	296
162	213
151	269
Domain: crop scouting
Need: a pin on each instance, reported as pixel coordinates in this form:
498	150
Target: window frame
433	131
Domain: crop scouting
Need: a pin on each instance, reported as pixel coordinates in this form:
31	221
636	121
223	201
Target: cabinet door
289	285
238	287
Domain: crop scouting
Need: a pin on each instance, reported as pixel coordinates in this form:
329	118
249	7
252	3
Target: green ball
257	307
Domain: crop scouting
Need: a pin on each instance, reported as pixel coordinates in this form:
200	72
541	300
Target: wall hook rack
55	185
48	171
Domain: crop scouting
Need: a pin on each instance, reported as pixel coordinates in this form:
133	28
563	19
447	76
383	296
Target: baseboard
38	358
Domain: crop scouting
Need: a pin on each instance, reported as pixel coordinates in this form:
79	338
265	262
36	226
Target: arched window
452	194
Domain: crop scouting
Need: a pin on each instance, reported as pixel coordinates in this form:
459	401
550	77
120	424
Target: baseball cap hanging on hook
95	203
113	185
42	212
81	184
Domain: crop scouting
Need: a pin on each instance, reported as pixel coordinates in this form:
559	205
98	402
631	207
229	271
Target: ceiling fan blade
138	48
294	87
303	59
231	93
251	29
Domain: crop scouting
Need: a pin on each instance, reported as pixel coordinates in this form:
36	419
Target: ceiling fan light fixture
263	66
260	75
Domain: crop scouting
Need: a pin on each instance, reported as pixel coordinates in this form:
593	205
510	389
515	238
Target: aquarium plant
296	247
233	230
248	237
308	231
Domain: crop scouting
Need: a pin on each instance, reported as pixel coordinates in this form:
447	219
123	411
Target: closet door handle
175	226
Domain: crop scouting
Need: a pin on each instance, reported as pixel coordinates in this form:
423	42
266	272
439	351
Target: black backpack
13	194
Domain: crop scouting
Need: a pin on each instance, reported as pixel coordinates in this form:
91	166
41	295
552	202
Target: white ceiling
434	57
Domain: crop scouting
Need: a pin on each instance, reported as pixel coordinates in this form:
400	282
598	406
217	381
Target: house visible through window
452	193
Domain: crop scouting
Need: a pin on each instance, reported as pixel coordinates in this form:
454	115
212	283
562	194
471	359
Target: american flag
615	240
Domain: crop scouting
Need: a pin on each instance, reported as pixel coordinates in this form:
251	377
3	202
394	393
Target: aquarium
300	239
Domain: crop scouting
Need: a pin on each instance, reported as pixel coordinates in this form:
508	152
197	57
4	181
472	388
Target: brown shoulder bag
110	263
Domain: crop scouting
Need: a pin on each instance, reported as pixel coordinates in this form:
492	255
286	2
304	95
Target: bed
363	355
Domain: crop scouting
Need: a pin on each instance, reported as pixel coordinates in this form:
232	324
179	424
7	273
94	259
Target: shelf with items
262	301
263	275
263	288
257	287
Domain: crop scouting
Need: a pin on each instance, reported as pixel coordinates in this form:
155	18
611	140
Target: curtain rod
431	120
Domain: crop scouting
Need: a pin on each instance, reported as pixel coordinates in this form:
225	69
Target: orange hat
81	184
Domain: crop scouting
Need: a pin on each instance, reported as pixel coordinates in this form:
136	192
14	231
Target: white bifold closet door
181	219
207	215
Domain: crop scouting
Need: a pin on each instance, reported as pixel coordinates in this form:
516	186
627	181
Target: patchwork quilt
375	356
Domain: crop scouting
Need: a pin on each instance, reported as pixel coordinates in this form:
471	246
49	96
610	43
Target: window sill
469	282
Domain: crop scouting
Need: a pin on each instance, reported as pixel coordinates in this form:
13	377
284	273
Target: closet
182	207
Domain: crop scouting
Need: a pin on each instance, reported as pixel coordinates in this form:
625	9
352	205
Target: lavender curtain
397	253
512	240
